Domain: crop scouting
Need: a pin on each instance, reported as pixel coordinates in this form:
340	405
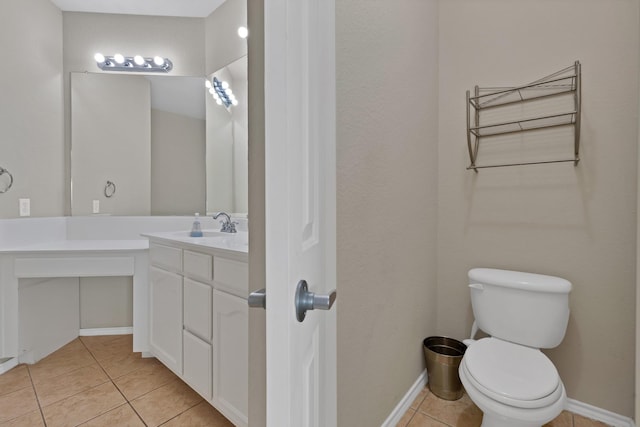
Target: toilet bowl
513	385
506	375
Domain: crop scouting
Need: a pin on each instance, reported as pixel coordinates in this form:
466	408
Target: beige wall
575	222
386	71
31	108
177	164
257	264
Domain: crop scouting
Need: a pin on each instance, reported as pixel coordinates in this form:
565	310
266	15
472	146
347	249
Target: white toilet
506	375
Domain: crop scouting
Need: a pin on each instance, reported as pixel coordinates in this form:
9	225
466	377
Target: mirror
227	142
162	151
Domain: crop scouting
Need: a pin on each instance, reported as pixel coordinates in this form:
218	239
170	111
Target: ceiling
183	8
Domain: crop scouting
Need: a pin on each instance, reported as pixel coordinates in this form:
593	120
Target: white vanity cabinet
199	320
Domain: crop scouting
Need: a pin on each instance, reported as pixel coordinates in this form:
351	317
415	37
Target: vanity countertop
84	246
236	243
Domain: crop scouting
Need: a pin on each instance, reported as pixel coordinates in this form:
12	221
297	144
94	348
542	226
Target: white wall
387	93
575	222
31	108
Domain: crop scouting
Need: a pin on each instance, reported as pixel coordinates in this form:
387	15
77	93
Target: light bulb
234	101
139	60
232	97
207	84
118	58
158	60
229	91
219	101
243	32
225	85
98	57
212	92
215	95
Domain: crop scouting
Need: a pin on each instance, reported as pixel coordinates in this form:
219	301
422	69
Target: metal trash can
443	356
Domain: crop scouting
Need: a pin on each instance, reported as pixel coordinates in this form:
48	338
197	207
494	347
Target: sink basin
205	233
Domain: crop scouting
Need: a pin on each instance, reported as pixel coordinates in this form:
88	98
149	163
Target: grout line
35	392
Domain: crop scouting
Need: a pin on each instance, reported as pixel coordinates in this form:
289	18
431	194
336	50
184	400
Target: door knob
306	300
258	299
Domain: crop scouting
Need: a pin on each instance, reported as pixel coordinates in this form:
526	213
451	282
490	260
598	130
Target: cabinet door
197	364
230	356
165	311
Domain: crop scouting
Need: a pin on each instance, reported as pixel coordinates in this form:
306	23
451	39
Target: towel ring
109	189
3	171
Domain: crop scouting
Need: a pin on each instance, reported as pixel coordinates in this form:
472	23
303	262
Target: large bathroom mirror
158	145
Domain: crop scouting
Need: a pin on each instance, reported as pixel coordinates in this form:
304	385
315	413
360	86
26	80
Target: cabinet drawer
231	276
197	364
197	308
166	256
197	265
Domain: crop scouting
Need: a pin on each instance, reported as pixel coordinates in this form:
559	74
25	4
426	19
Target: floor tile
165	402
51	390
406	418
17	403
32	419
418	400
461	412
201	415
565	419
580	421
107	347
422	420
16	379
123	364
122	416
83	406
144	380
58	364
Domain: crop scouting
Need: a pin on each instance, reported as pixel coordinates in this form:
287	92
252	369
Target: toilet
506	375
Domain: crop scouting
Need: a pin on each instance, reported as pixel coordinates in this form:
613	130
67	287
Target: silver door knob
258	299
306	300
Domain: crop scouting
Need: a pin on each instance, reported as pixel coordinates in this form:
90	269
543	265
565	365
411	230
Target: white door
300	209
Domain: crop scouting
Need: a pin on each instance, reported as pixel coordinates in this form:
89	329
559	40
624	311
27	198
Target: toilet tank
524	308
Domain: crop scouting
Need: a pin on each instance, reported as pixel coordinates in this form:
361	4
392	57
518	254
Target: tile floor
99	381
428	410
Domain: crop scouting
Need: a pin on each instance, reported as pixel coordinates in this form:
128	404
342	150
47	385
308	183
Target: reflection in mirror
146	134
227	140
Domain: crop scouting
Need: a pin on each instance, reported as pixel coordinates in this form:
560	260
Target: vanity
198	314
189	294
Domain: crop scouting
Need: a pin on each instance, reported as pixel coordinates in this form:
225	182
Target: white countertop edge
78	246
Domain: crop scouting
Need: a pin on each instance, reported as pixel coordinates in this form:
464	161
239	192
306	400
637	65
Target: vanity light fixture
221	92
139	63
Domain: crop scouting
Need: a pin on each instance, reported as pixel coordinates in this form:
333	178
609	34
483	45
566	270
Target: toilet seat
512	374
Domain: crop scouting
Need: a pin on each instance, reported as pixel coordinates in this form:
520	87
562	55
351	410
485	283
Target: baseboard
7	365
575	406
599	414
125	330
405	403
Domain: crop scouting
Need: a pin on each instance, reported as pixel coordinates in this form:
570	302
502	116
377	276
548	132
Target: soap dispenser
196	229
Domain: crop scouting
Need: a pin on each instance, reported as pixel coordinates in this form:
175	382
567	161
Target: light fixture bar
222	93
137	63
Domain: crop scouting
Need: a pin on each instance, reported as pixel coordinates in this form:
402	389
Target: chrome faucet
228	226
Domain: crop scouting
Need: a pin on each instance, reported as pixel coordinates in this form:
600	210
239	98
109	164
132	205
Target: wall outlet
96	206
25	207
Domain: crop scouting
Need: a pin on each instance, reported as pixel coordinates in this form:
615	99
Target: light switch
25	207
96	206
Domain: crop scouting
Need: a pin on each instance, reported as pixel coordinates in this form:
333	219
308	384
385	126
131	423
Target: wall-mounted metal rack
566	82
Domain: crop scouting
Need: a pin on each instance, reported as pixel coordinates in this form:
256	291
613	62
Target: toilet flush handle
477	286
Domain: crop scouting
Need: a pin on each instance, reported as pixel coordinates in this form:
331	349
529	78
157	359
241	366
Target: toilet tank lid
519	280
